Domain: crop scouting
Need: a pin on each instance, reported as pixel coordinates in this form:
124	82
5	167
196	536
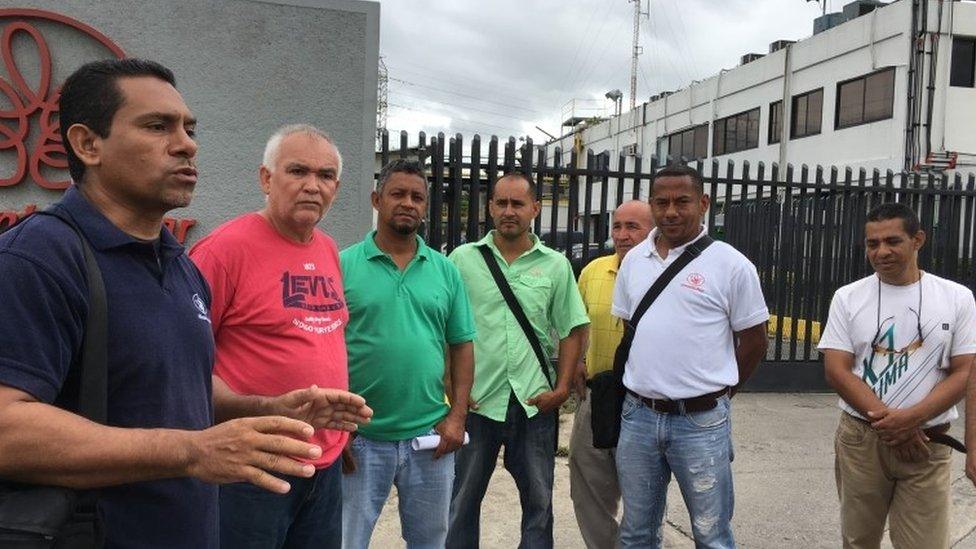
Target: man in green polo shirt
516	407
406	304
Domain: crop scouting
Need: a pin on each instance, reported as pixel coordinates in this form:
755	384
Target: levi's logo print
310	292
315	294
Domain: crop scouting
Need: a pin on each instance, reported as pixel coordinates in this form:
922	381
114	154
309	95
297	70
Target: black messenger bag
607	389
50	517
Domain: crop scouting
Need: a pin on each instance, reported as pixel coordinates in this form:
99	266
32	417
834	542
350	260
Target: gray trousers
593	484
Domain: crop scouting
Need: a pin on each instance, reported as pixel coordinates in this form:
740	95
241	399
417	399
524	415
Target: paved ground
785	494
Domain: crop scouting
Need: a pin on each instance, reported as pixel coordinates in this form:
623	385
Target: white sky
505	66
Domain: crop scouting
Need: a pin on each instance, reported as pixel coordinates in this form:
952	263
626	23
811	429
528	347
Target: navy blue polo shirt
160	352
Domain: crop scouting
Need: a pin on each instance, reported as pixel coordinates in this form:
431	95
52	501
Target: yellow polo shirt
596	287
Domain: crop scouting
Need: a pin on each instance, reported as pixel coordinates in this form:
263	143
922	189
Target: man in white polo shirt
897	348
698	343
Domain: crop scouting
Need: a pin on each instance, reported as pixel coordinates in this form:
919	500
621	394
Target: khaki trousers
874	485
592	484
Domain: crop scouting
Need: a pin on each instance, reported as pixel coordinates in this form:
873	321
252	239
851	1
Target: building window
963	72
775	121
807	114
690	144
736	133
865	99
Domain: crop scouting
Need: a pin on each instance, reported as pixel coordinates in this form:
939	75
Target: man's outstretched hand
323	408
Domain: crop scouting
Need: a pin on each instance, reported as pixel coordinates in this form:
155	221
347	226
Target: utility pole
637	49
382	82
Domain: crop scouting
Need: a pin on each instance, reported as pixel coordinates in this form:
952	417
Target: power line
599	32
464	107
579	44
603	53
409	83
454	119
452	83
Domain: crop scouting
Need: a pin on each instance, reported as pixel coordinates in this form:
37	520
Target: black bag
607	389
50	517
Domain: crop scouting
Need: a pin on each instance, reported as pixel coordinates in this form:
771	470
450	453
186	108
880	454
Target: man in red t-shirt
279	318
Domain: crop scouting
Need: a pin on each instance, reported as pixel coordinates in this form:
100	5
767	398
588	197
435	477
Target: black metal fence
802	228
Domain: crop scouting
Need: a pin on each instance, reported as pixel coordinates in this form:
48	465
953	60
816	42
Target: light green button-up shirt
542	279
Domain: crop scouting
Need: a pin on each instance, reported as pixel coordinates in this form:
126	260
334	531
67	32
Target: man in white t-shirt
897	348
696	345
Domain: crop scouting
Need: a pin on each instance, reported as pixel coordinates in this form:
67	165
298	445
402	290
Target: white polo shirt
684	344
947	320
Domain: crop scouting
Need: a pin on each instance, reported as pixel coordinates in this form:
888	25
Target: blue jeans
697	448
309	515
423	486
530	456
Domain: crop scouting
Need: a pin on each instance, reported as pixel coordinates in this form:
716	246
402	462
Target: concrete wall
245	68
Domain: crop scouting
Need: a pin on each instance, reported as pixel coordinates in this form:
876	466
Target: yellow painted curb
801	328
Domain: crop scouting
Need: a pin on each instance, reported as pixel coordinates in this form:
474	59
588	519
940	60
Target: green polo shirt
399	323
542	279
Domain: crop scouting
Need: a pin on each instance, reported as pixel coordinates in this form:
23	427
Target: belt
685	405
936	433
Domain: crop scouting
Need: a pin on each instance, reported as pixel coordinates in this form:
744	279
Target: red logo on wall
37	104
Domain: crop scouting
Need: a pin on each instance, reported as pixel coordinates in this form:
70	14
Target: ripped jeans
697	448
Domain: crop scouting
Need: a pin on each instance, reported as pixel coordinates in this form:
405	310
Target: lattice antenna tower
382	99
637	48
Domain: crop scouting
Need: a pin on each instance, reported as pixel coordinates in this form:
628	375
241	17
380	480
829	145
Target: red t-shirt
279	314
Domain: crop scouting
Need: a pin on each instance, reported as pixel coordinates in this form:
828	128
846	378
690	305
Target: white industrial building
883	86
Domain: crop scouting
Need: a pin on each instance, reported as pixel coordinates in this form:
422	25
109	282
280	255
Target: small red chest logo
695	281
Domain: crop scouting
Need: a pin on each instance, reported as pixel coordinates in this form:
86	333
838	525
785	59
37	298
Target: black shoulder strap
93	378
691	252
516	308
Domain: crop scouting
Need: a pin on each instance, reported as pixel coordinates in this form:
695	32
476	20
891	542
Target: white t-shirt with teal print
948	322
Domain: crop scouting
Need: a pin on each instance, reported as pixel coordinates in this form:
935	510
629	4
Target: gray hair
274	143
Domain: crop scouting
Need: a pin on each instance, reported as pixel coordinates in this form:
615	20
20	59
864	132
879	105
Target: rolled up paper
429	442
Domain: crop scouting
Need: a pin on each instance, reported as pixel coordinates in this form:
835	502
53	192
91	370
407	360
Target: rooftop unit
861	7
827	22
750	57
779	44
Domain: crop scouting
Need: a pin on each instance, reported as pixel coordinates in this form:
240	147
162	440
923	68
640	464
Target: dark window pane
963	62
814	111
775	121
850	109
730	135
741	132
879	93
718	133
674	147
799	116
701	141
688	144
752	136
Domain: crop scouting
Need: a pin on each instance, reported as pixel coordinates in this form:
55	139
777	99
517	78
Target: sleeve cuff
754	319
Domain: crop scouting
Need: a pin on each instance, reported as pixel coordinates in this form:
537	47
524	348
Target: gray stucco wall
245	68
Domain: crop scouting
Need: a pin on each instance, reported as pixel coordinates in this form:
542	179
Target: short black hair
678	170
515	175
896	210
400	165
91	97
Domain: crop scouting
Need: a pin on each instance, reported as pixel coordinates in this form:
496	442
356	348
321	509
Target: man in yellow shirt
592	472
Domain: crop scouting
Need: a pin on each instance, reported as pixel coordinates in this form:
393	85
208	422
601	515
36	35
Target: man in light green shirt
515	406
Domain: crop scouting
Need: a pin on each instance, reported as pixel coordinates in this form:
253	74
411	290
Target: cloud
506	66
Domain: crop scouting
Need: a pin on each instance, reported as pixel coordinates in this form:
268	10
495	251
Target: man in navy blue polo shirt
131	151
